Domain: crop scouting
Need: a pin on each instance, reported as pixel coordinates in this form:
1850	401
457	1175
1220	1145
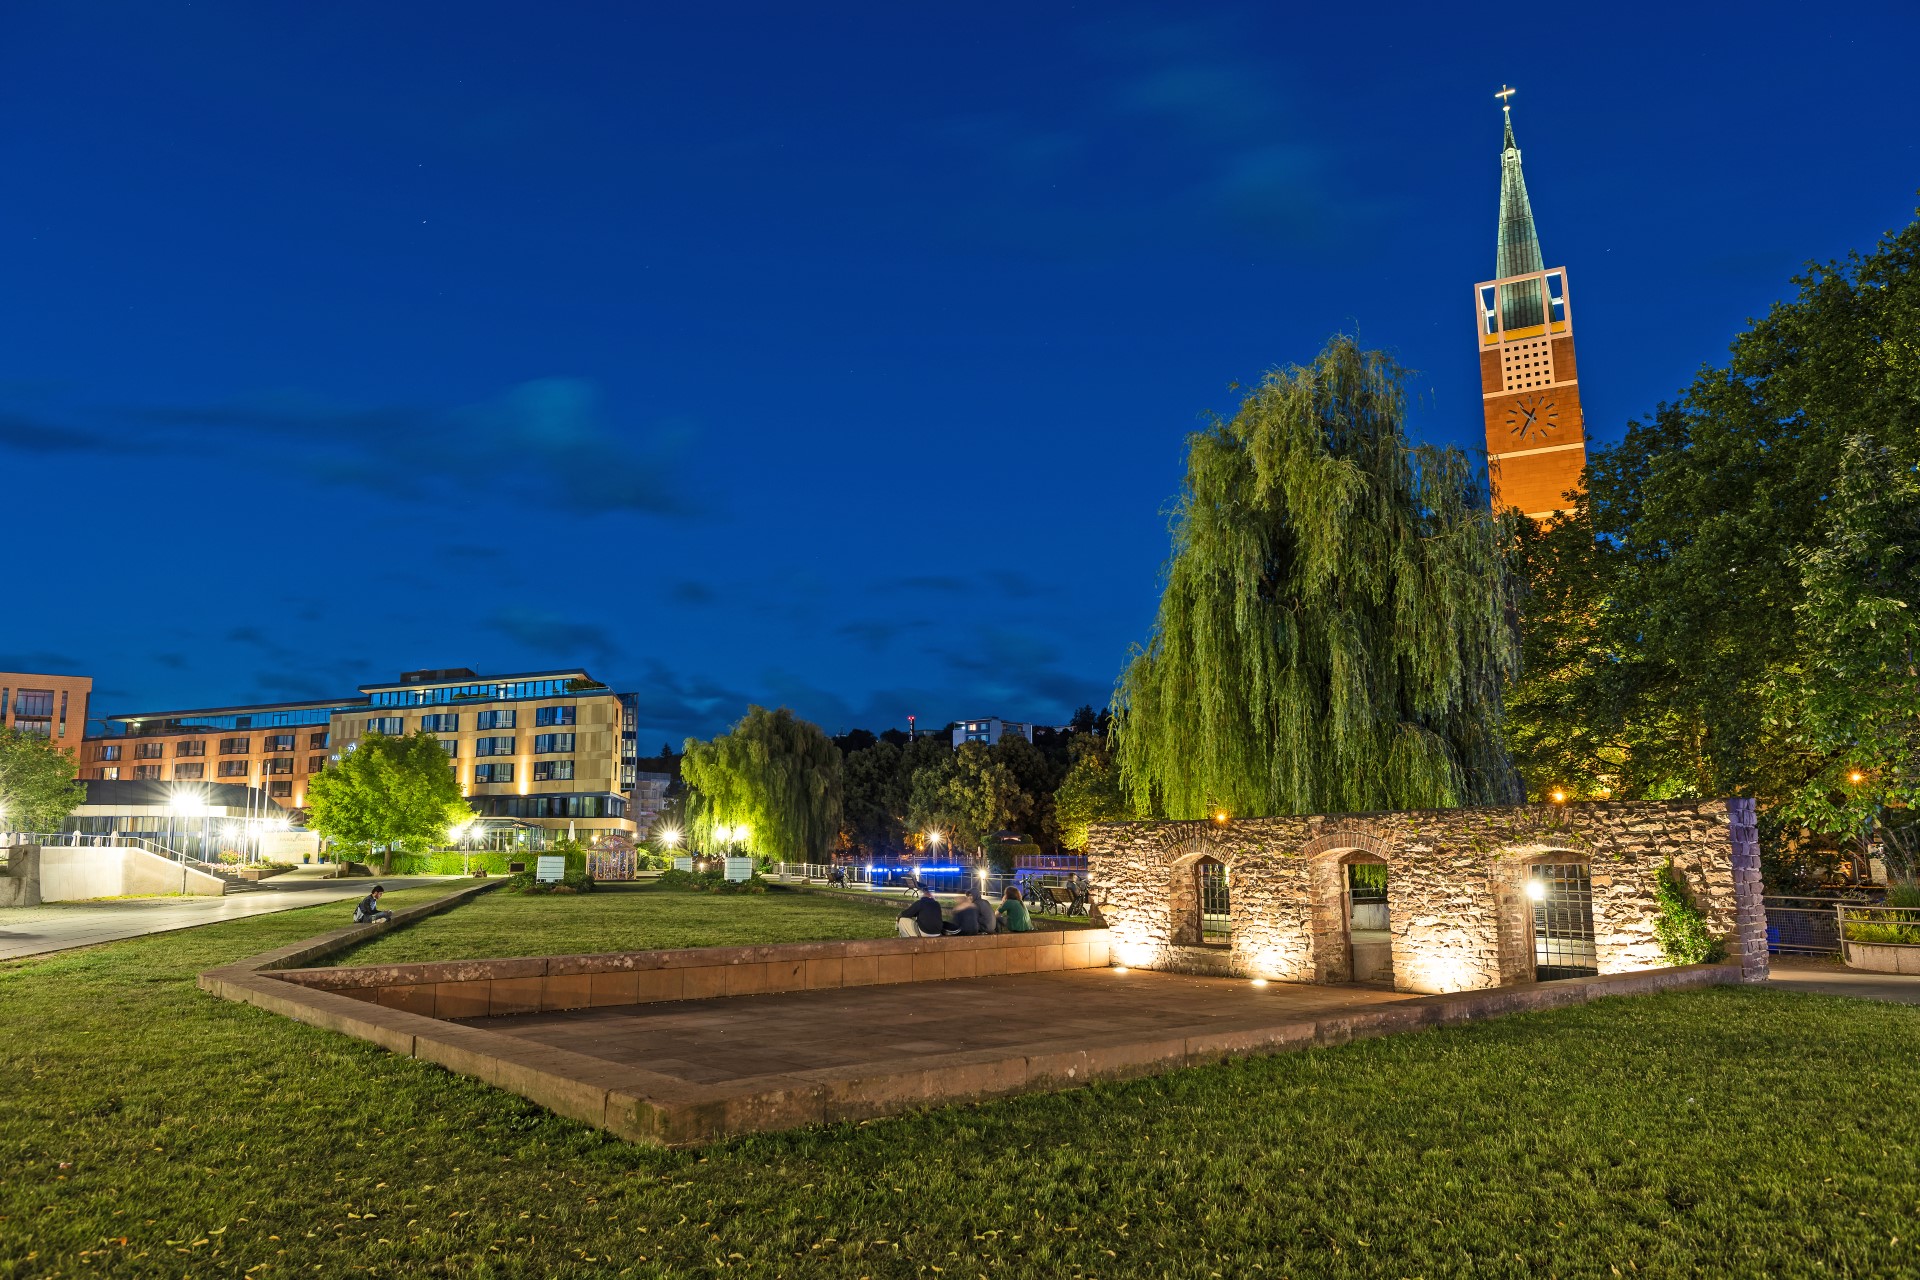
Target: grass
641	917
152	1130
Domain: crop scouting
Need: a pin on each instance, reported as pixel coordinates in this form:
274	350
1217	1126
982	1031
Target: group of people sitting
972	914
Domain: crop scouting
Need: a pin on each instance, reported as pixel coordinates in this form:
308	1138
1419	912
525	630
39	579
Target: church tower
1529	389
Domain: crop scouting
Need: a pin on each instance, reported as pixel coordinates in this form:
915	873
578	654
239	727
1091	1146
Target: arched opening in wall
1369	939
1215	914
1561	894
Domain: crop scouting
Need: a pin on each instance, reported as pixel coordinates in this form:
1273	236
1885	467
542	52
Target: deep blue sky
835	356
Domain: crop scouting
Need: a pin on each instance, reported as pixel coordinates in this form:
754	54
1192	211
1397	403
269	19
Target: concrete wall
20	876
69	875
1459	916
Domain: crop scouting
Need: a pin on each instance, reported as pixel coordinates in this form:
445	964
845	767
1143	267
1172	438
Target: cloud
927	582
673	704
692	593
876	635
551	431
172	661
294	685
560	639
42	662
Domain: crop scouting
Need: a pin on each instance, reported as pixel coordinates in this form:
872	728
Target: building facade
54	707
543	746
988	729
555	749
273	747
1529	381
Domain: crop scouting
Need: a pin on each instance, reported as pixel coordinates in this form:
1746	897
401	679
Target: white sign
683	864
550	867
739	868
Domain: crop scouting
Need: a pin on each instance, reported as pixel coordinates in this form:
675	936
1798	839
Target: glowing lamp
1537	890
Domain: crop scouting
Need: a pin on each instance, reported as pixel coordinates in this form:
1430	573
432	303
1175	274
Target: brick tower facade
1529	384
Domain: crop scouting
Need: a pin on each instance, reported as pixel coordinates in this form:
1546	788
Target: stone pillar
1750	912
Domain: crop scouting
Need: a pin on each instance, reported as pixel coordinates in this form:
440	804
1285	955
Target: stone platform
823	1032
965	1029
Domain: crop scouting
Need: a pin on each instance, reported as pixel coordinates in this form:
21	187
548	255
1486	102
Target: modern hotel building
552	748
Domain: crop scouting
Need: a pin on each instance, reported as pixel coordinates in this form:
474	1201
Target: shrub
709	882
1681	929
572	882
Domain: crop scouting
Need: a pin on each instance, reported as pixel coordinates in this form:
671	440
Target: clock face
1532	417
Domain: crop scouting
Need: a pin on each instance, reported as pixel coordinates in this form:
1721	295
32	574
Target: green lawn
637	918
151	1130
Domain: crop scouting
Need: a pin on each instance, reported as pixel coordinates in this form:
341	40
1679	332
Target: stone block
821	974
566	991
461	999
612	987
860	971
1278	1037
514	995
926	967
652	985
414	998
703	983
960	963
747	979
787	974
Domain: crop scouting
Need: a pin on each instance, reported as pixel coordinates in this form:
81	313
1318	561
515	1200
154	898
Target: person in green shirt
1013	912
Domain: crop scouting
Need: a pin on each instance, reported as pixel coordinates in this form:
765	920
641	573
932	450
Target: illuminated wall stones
1459	914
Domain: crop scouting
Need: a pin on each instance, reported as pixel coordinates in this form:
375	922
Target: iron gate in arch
1562	897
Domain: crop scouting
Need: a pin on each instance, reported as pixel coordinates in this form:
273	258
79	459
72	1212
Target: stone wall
1459	915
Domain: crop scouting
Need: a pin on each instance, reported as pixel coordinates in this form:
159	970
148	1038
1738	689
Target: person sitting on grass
1013	912
966	917
922	918
369	912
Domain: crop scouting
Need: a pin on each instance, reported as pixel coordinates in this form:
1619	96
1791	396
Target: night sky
830	356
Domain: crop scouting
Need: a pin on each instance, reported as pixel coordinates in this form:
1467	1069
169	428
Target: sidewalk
1827	976
58	926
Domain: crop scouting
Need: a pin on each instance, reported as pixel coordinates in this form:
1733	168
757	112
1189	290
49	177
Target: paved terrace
915	1026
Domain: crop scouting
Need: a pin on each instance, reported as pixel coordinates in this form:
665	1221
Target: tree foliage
968	796
1335	625
1090	793
774	773
37	785
1733	608
391	794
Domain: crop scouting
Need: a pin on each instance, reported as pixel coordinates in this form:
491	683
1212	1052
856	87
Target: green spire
1518	250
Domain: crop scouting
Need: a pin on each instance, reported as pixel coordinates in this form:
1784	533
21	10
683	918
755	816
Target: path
58	926
1830	977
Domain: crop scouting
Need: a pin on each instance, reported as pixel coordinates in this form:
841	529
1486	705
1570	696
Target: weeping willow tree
773	773
1337	618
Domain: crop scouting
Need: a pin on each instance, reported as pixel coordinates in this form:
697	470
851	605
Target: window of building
316	763
236	746
190	747
110	751
451	746
445	722
280	790
149	750
111	774
146	773
553	771
33	702
392	726
277	765
189	772
277	742
233	768
493	746
493	773
553	715
495	719
316	742
1216	915
552	743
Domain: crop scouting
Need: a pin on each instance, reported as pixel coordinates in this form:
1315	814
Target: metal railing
1884	926
904	880
1804	924
84	840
